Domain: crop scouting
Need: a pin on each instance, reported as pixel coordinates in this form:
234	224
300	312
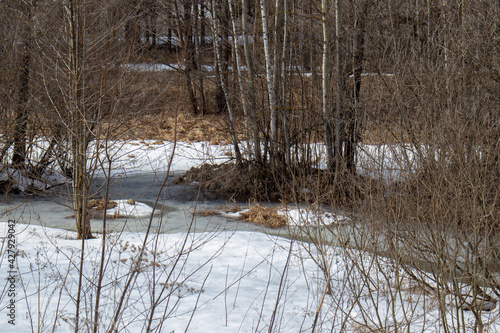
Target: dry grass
206	213
169	109
266	216
190	128
98	204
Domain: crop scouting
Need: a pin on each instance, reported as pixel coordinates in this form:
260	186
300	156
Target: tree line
288	73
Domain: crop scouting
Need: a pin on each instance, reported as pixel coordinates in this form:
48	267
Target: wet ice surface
174	211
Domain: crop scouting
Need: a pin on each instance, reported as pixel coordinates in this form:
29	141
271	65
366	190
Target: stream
174	213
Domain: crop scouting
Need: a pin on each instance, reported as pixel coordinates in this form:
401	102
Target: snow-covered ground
387	161
126	158
303	217
211	281
312	217
146	156
125	208
153	156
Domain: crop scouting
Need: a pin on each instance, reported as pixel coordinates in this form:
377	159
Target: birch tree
269	81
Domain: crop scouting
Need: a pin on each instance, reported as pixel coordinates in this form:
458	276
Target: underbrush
254	182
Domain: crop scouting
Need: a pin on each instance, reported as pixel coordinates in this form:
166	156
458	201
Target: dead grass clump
201	174
268	217
117	215
98	204
261	183
235	182
206	213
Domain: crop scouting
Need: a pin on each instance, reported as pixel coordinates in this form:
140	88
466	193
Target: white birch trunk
270	90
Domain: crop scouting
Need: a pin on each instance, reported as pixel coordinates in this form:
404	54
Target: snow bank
208	282
125	209
144	156
134	157
302	217
312	217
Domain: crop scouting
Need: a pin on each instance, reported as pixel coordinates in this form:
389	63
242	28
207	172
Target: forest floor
163	110
184	127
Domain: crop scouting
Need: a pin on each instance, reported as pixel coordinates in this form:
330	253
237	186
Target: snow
135	157
387	162
125	209
23	183
297	217
214	281
312	217
126	158
173	67
207	282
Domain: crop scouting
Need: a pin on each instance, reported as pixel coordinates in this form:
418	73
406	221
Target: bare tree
251	81
223	83
326	67
271	94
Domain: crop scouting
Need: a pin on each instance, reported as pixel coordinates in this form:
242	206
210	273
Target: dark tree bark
198	20
225	53
354	116
185	28
21	121
251	82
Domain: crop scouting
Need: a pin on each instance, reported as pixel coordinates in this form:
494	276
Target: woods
287	74
387	111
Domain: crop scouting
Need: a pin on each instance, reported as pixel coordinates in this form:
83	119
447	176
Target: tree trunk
222	64
184	25
251	83
198	57
284	85
340	87
278	76
354	118
77	109
223	84
240	81
326	68
21	122
269	79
